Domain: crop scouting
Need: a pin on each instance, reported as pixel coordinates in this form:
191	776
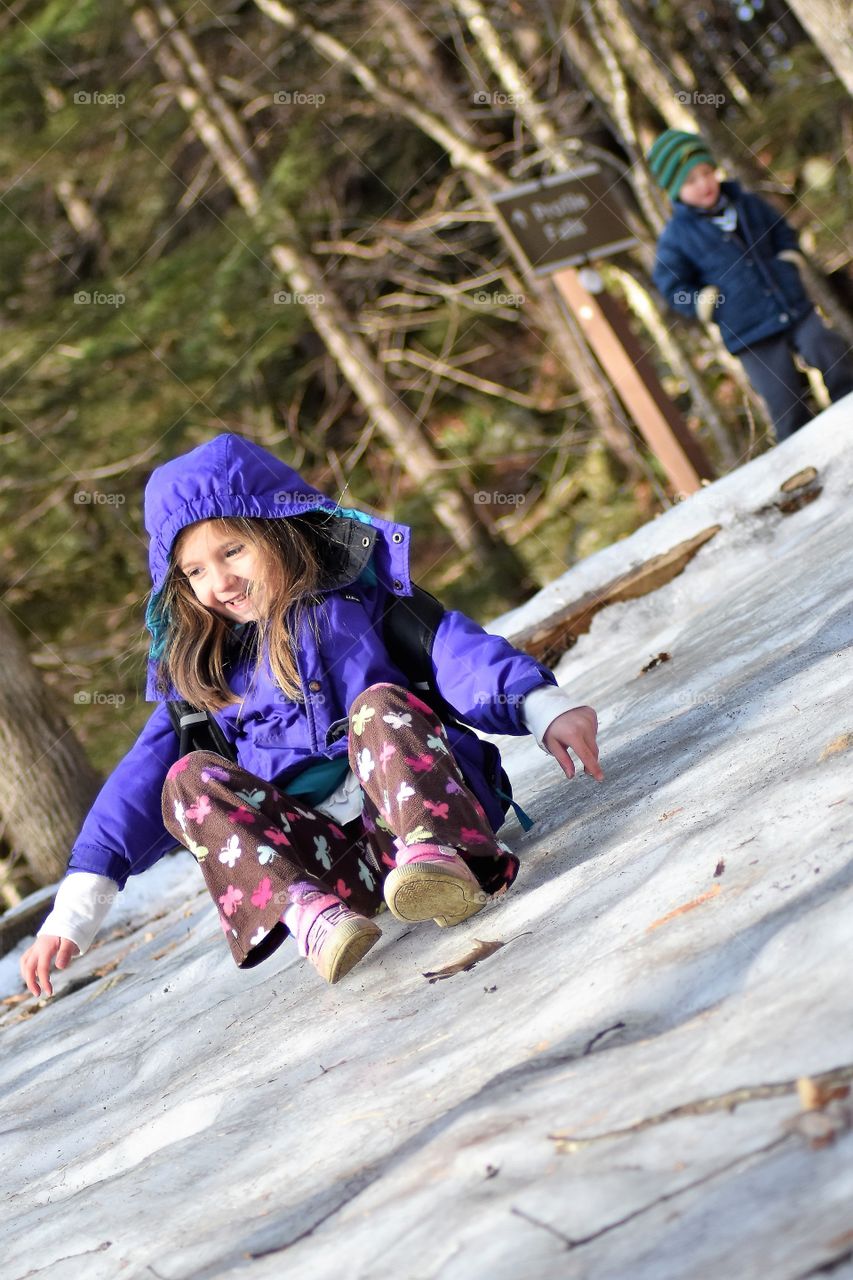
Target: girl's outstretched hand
37	960
576	729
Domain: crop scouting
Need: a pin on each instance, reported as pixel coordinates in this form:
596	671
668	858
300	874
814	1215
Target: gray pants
771	370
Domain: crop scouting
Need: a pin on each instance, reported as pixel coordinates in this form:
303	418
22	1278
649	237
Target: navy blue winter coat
760	294
483	677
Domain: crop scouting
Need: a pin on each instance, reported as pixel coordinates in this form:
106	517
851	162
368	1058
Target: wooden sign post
570	219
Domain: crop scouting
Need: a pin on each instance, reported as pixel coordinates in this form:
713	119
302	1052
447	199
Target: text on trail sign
565	219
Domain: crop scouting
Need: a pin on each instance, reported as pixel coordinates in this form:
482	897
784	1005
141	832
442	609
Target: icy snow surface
537	1115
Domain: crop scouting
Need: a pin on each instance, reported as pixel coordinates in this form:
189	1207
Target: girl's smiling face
222	570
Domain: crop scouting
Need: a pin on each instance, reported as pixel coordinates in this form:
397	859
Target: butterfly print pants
254	841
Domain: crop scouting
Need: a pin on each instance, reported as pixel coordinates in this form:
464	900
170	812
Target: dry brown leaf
28	1012
799	490
481	951
656	661
816	1093
12	1000
843	742
670	813
686	906
158	955
120	931
107	985
799	480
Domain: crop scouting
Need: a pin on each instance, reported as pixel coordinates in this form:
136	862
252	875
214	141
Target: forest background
275	219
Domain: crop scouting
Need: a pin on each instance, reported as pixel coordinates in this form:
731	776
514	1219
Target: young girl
267	610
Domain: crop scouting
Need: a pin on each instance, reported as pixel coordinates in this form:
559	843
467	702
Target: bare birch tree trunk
830	25
220	131
721	73
513	80
648	196
47	784
428	78
451	131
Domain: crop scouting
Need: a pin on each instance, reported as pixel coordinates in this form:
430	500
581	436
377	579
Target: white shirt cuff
542	706
82	900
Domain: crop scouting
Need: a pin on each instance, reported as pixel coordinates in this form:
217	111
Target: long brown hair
292	553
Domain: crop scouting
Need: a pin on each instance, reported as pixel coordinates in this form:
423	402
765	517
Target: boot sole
414	893
350	943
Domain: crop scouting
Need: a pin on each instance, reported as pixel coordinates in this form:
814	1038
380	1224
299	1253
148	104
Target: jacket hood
228	476
232	476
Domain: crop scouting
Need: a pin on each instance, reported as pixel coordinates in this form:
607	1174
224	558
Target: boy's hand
576	729
37	960
706	303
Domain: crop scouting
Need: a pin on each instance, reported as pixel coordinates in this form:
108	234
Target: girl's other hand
37	960
576	729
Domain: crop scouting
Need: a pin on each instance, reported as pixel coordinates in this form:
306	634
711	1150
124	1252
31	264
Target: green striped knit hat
673	155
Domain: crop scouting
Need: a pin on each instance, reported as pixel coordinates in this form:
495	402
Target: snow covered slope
613	1092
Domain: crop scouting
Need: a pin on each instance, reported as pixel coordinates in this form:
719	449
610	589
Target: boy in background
726	255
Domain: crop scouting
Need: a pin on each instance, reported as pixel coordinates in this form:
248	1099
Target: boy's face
700	188
222	571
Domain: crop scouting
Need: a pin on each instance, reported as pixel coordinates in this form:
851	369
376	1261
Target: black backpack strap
198	730
409	626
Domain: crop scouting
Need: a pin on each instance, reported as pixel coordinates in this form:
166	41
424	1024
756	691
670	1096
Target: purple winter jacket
483	677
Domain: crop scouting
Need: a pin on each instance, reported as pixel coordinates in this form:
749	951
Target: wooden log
548	639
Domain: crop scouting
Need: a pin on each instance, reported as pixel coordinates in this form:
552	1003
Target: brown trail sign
571	219
564	220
